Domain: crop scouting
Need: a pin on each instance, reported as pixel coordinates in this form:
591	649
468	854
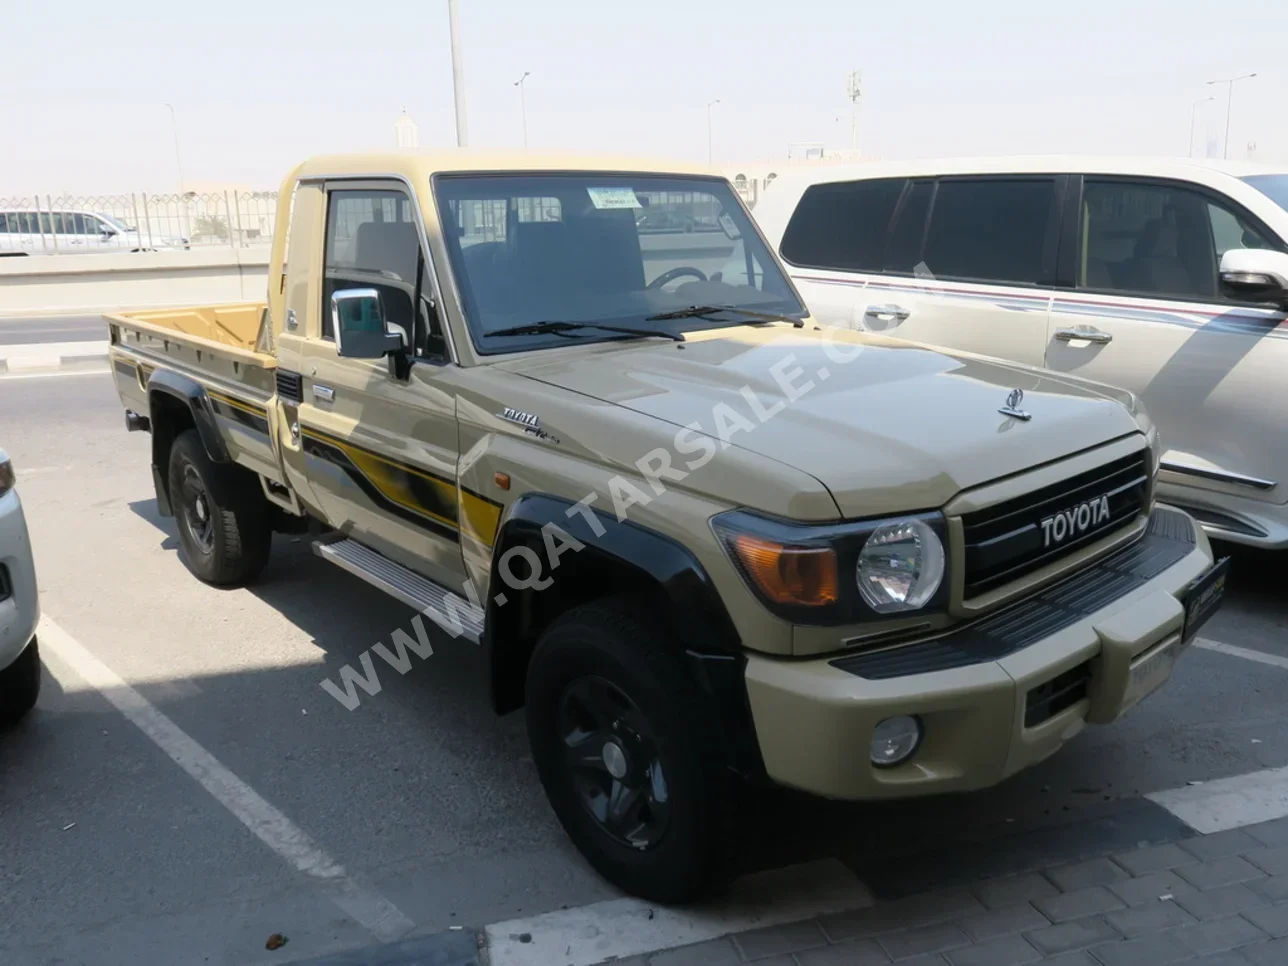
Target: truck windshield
615	249
1273	186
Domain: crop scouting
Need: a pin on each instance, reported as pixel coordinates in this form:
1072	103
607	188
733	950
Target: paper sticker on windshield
610	198
730	226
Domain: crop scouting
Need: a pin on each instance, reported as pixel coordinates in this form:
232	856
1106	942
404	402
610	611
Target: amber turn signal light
788	575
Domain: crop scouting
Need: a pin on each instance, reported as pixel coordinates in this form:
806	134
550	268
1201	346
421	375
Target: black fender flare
624	556
193	395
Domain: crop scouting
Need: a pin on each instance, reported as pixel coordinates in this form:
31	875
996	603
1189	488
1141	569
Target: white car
75	232
19	605
1165	278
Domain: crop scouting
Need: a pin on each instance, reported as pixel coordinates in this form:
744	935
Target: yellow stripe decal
480	517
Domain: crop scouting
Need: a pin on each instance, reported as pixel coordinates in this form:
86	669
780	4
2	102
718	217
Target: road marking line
1246	653
34	362
53	375
372	910
1226	803
618	928
95	347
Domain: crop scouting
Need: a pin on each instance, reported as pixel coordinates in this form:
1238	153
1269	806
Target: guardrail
88	224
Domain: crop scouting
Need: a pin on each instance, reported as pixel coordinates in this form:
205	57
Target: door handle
895	313
323	393
1085	333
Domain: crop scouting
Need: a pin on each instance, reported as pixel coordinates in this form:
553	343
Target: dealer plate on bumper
1202	599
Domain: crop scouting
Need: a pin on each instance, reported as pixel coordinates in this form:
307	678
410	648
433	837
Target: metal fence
54	225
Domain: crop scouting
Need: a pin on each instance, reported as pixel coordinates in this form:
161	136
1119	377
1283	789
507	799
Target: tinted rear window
990	229
842	226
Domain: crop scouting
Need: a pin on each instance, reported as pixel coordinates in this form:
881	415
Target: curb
459	947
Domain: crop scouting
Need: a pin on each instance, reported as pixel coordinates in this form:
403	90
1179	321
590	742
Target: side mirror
1255	275
107	231
359	325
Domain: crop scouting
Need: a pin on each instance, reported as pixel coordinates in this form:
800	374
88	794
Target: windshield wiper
539	328
705	311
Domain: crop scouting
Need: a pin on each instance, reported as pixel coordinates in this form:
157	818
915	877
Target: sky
258	86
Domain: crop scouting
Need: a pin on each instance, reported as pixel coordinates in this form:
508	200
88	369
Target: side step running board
405	585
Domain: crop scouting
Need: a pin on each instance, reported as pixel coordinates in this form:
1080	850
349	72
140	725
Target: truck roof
421	164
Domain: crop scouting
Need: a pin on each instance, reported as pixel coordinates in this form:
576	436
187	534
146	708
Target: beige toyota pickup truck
703	542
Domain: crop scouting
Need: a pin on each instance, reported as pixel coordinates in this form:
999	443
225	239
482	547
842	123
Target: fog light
894	740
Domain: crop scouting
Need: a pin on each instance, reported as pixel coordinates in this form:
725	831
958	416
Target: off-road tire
233	549
617	641
20	685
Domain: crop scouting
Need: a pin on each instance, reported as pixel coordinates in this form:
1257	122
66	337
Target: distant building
406	134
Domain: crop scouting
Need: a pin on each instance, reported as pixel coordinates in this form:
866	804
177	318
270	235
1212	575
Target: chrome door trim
1219	476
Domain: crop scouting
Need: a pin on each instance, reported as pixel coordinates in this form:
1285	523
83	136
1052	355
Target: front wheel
20	685
626	755
224	524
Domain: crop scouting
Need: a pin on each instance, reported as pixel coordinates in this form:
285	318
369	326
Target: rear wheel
20	685
626	755
224	523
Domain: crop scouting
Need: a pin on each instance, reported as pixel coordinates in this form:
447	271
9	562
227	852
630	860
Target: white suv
1165	278
19	606
75	232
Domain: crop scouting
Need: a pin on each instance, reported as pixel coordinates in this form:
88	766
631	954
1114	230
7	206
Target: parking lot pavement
186	788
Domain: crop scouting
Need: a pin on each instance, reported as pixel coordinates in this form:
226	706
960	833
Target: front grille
1168	540
1063	691
6	588
1006	541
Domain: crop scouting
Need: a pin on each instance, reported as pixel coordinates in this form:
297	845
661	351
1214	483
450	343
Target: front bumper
993	698
19	599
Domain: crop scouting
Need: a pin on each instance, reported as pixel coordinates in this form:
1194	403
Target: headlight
900	567
7	478
801	572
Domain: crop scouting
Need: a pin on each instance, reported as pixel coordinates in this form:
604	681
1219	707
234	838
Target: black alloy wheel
612	756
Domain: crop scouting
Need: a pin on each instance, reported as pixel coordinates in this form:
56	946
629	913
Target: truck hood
897	427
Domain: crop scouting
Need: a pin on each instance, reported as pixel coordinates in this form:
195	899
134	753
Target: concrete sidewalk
1215	900
51	355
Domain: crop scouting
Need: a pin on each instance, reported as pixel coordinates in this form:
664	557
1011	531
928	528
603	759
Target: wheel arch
616	558
177	403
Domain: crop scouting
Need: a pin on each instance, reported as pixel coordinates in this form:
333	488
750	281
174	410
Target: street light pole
178	158
1229	103
523	105
1194	108
458	74
710	153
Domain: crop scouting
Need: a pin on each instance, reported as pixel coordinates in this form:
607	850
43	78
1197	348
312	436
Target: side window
842	226
1230	231
990	229
1161	240
4	223
372	242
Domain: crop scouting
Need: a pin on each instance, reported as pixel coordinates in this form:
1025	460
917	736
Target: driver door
381	453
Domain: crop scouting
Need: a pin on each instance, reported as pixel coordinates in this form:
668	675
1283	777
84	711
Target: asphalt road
38	329
110	853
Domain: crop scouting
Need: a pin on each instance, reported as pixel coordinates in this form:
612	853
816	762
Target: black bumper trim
1167	540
